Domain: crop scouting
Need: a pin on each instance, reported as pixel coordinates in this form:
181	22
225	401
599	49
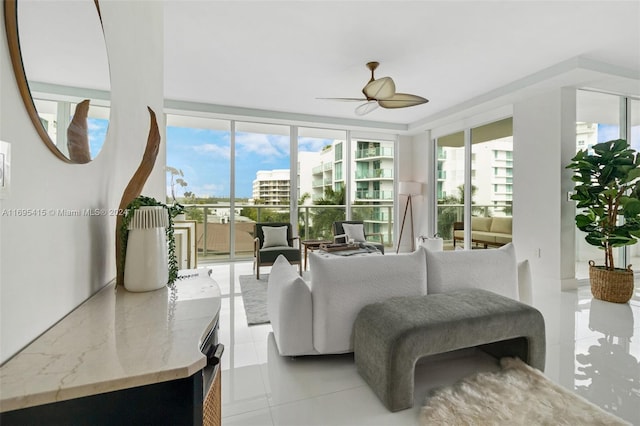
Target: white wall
49	265
543	137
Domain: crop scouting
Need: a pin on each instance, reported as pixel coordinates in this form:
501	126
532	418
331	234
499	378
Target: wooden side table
312	245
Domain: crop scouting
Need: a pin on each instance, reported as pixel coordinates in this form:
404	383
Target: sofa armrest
290	309
340	238
378	235
525	287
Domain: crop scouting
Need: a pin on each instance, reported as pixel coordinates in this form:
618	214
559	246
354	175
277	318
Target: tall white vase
146	267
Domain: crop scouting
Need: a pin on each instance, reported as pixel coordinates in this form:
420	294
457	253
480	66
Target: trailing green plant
608	189
142	201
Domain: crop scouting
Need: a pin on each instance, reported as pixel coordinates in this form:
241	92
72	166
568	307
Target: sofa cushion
494	270
483	236
269	255
481	224
289	308
502	225
341	286
503	239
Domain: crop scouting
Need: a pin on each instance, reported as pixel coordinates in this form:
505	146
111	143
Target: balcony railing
374	195
374	152
375	174
213	241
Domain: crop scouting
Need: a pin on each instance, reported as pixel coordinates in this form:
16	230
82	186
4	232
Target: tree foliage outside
451	209
322	218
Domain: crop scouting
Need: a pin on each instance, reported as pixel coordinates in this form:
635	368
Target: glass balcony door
598	120
474	176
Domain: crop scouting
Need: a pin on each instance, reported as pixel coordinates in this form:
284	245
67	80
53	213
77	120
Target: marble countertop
115	340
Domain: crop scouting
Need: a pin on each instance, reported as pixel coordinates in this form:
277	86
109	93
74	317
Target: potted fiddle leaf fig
607	190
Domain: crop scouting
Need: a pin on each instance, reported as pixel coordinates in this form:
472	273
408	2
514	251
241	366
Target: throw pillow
274	236
354	231
492	269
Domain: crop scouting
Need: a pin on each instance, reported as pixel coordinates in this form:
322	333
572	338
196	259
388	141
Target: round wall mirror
60	62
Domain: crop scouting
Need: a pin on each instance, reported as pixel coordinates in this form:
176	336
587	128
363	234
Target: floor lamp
409	189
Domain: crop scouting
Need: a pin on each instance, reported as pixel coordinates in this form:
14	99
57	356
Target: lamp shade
410	188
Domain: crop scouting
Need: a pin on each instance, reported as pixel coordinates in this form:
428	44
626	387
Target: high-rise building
271	187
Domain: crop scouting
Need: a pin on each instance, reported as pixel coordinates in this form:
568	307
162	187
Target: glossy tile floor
593	348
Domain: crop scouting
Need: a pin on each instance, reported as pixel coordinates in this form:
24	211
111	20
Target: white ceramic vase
146	265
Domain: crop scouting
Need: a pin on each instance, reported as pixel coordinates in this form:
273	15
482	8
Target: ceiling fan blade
366	107
381	88
345	99
402	100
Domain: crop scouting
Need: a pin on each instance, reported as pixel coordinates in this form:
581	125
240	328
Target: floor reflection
608	374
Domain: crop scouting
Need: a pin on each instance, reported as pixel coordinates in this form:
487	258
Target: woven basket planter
611	286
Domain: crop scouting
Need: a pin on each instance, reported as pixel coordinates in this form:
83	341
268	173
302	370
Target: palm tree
323	218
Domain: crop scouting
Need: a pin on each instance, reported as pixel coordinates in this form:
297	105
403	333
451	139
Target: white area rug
516	395
254	296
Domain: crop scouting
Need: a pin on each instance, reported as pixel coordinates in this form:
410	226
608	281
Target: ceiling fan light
382	88
402	100
366	107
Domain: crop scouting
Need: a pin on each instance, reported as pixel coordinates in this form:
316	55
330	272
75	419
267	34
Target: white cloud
312	144
209	190
214	150
263	145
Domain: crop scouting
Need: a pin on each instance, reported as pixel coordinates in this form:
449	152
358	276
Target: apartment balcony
371	153
441	175
322	168
374	174
369	195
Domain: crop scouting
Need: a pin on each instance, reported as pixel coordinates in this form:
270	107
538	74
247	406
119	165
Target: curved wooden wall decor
134	188
78	134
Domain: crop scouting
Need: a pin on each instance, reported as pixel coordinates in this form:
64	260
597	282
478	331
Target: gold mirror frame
13	40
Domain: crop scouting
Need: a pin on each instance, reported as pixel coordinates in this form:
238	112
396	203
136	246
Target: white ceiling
282	56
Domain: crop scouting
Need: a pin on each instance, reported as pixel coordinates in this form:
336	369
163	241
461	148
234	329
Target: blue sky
203	155
97	131
607	132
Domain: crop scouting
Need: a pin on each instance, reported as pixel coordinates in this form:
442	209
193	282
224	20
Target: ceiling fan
382	92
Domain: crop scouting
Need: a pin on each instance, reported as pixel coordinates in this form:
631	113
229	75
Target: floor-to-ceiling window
372	181
492	169
262	179
321	186
602	117
488	168
198	175
450	166
230	174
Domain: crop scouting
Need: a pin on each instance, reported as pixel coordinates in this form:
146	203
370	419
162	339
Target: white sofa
316	317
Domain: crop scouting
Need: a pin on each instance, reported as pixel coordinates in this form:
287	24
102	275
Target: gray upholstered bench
390	336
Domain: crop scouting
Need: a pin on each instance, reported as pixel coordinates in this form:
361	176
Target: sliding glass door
262	180
450	167
598	120
479	184
321	181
